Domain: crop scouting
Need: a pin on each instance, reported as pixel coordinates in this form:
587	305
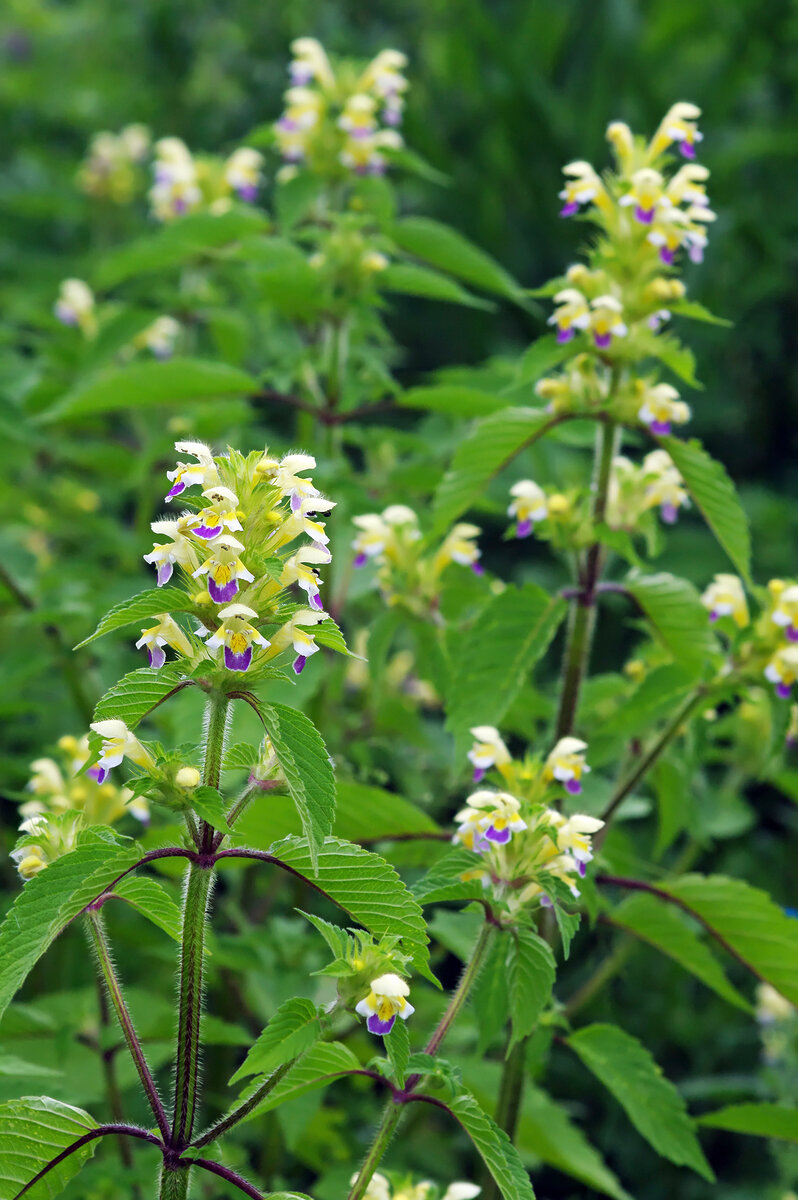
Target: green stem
195	905
174	1183
109	1064
511	1089
394	1109
216	716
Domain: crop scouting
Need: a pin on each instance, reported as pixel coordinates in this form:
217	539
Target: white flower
385	1001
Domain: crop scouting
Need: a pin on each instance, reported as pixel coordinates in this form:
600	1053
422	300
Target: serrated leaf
491	444
366	887
546	1131
542	356
143	385
240	756
444	881
674	609
761	1120
140	608
150	898
33	1131
397	1047
676	357
445	248
317	1068
293	1029
211	806
663	928
307	768
748	922
531	971
138	693
453	400
490	995
715	495
412	280
650	1101
49	901
328	634
494	1147
698	312
494	659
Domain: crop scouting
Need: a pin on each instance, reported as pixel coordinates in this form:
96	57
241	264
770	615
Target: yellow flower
567	765
725	597
385	1001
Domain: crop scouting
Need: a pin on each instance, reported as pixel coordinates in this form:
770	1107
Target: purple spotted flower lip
669	513
375	1025
602	340
667	255
157	656
564	335
208	531
299	663
573	786
98	773
237	662
477	568
660	427
783	691
568	210
479	774
223	594
316	601
165	570
792	633
687	149
176	490
644	215
247	192
524	528
502	836
360	560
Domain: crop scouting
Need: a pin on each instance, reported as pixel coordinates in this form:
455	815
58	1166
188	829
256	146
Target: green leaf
211	805
747	922
490	995
546	1131
140	608
715	495
397	1047
491	444
762	1120
444	880
494	1147
321	1065
531	971
366	887
659	694
328	634
453	400
33	1131
650	1101
53	898
448	250
663	928
674	609
411	280
145	894
542	356
174	244
495	657
142	385
138	693
293	1029
306	765
697	312
676	357
294	198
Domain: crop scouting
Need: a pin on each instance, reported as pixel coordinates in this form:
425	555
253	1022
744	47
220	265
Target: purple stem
100	1131
215	1168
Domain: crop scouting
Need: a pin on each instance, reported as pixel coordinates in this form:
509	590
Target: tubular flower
661	408
75	306
487	751
175	190
185	475
461	1191
384	77
242	172
166	633
725	597
572	313
118	743
528	506
295	633
782	670
302	113
384	1003
494	816
573	835
567	765
224	569
687	186
384	534
362	155
605	320
301	521
45	841
297	569
372	539
284	474
646	194
665	491
582	186
179	551
460	547
310	63
358	120
771	1006
619	135
220	515
236	634
785	611
55	790
679	126
159	338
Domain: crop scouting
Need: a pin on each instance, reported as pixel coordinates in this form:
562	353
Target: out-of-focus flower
782	670
665	490
242	172
159	338
487	751
75	306
566	763
725	597
528	506
118	743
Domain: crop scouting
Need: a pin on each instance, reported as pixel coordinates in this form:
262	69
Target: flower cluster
341	117
112	168
64	799
75	306
269	503
782	618
380	1188
184	184
408	570
528	846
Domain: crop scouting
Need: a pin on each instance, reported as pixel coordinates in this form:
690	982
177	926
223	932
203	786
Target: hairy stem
243	1109
195	905
96	928
173	1183
108	1063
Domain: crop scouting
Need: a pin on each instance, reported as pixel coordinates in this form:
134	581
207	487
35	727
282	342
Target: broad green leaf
33	1131
211	806
48	902
292	1030
542	356
294	198
320	1066
490	997
453	400
747	922
412	280
679	619
494	659
306	765
650	1101
397	1047
676	357
444	881
715	495
494	1147
659	695
444	248
143	385
328	634
546	1131
151	899
698	312
664	929
174	244
762	1120
490	445
137	694
140	608
366	887
531	971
